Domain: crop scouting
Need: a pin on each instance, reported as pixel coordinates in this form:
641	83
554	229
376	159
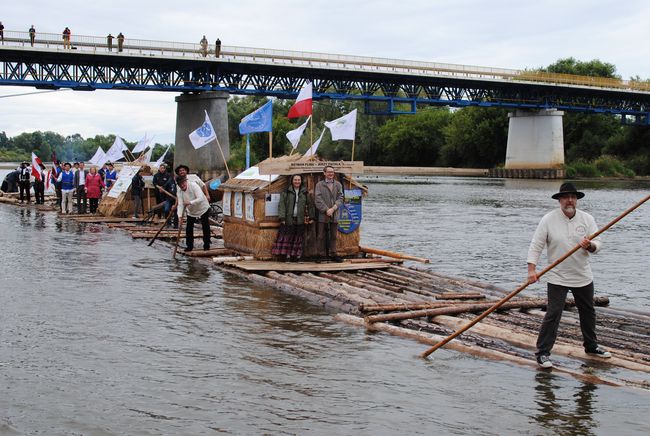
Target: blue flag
258	121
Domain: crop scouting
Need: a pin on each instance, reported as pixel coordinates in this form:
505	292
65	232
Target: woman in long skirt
295	210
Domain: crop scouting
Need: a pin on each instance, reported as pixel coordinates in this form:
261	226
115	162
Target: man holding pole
328	198
559	231
191	198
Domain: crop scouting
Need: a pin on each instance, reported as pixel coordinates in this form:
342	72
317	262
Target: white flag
344	127
314	147
142	145
204	134
99	156
115	152
294	135
162	158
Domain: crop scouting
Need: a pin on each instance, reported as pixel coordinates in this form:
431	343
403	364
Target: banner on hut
271	166
123	180
350	213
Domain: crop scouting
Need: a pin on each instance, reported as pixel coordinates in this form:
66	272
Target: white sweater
560	234
198	203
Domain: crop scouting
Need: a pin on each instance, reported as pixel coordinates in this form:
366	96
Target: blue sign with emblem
350	213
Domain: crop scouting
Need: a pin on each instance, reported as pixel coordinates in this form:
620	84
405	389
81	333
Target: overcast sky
496	33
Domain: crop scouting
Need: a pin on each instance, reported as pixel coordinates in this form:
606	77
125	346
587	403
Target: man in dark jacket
328	198
160	180
23	182
80	187
137	187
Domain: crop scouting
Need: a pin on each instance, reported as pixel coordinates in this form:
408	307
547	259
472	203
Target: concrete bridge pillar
535	140
190	114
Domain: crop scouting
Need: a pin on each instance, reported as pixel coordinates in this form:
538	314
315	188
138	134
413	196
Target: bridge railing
142	47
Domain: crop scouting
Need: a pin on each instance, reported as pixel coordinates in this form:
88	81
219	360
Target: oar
178	235
171	212
523	286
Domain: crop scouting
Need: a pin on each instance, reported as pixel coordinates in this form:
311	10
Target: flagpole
248	151
223	157
353	150
270	144
311	129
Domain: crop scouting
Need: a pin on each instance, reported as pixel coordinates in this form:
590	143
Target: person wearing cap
559	231
184	171
24	179
190	198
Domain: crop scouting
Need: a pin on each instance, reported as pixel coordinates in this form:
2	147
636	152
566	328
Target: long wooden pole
392	254
270	144
523	286
223	157
353	150
178	235
172	211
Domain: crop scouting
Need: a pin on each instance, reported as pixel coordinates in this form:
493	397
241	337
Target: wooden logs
464	308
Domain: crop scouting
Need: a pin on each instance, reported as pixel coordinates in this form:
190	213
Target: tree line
473	137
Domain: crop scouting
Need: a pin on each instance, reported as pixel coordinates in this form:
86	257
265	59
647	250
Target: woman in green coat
295	210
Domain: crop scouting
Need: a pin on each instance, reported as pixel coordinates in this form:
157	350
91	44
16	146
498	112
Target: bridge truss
384	90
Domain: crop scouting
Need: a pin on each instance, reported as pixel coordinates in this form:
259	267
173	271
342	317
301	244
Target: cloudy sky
496	33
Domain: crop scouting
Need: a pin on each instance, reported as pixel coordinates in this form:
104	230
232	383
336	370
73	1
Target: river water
100	334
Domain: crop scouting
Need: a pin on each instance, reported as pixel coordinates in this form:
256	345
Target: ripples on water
100	334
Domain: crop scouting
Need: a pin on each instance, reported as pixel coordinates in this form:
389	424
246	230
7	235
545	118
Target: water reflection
554	412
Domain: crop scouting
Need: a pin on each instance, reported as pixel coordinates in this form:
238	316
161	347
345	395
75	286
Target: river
100	334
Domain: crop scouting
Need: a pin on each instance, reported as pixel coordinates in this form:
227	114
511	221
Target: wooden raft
259	265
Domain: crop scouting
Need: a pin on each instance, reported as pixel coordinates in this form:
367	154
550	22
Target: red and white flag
36	167
302	107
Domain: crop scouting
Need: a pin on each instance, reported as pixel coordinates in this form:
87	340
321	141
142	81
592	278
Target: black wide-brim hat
182	166
568	188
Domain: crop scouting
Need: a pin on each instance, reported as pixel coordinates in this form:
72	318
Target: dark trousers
137	205
24	191
168	207
584	297
327	238
59	196
82	201
39	192
189	231
94	202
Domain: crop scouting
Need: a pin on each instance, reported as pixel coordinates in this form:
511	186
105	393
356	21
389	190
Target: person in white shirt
190	198
560	231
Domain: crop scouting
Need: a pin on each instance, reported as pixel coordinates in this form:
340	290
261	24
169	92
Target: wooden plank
308	166
258	265
209	253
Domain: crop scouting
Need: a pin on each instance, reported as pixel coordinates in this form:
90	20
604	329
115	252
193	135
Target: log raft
382	294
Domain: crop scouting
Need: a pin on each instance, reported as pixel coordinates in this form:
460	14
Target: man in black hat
559	231
24	182
184	171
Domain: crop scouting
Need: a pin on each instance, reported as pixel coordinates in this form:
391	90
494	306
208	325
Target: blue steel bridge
387	86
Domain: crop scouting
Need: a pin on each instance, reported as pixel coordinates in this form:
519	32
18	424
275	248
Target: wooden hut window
239	210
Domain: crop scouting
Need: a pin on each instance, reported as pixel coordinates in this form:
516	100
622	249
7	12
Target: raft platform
382	294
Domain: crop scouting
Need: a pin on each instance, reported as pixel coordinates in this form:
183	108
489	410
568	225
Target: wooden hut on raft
251	199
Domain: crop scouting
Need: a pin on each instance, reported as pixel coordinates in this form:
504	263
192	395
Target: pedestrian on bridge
32	35
217	48
109	42
66	38
204	46
120	42
2	33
